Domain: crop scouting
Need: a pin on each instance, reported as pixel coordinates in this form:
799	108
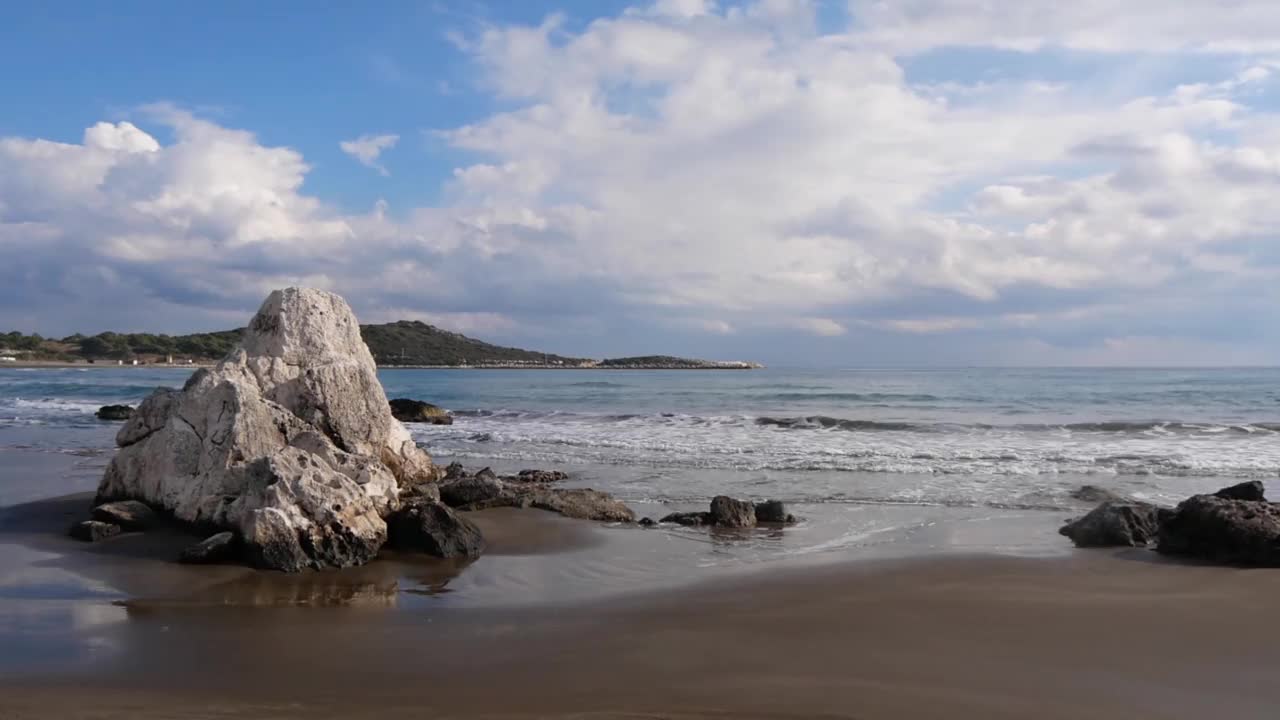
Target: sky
798	182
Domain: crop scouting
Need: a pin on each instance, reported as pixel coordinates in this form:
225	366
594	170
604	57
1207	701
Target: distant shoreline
61	365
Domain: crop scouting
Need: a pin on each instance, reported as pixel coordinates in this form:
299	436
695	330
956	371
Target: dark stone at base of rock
114	412
773	511
1222	530
647	522
93	530
540	476
454	471
423	490
1114	524
416	411
691	519
283	553
730	513
475	492
128	514
213	549
434	529
1252	490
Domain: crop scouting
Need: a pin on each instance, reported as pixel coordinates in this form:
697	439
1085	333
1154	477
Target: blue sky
798	182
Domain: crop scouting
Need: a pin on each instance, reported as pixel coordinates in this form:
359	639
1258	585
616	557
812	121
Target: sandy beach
1095	636
120	631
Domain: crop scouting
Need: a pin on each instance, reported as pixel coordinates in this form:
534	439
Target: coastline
60	365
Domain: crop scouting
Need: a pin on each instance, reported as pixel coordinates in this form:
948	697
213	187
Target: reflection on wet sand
377	584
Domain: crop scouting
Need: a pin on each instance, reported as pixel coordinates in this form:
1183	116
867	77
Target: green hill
399	343
409	342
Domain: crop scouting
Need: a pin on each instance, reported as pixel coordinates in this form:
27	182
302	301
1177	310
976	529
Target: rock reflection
376	585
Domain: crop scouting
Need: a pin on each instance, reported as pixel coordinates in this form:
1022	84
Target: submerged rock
689	519
539	476
289	441
485	490
1114	524
114	412
1095	494
579	503
1224	530
213	549
730	513
416	411
432	528
93	530
774	511
128	514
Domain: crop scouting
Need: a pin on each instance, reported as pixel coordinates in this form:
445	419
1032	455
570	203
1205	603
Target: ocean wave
50	406
883	398
812	422
867	425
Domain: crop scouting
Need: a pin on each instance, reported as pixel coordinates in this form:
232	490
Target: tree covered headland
399	343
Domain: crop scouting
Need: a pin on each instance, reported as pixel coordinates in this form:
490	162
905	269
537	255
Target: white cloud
728	170
366	149
1091	25
824	327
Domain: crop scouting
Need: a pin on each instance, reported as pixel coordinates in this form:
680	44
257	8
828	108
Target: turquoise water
1019	438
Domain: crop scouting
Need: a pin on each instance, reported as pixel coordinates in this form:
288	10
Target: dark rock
1223	530
114	412
731	513
773	511
540	476
213	549
415	411
1096	495
426	490
1251	490
278	550
692	519
647	522
1112	524
476	492
93	530
434	529
270	542
579	503
128	514
454	471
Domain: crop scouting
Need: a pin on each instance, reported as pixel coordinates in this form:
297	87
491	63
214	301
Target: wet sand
1096	635
118	630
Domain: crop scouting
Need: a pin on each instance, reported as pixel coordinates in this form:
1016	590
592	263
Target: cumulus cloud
1238	26
730	170
366	149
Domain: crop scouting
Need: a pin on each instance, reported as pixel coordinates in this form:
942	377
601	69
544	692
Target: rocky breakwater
288	442
529	489
1236	525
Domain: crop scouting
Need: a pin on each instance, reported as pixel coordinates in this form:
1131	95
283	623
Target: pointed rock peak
305	326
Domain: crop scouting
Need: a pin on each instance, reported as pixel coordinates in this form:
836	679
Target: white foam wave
732	444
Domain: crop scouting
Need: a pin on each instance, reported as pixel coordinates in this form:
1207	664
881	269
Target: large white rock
289	441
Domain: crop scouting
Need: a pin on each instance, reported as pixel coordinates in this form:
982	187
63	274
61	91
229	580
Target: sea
869	457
